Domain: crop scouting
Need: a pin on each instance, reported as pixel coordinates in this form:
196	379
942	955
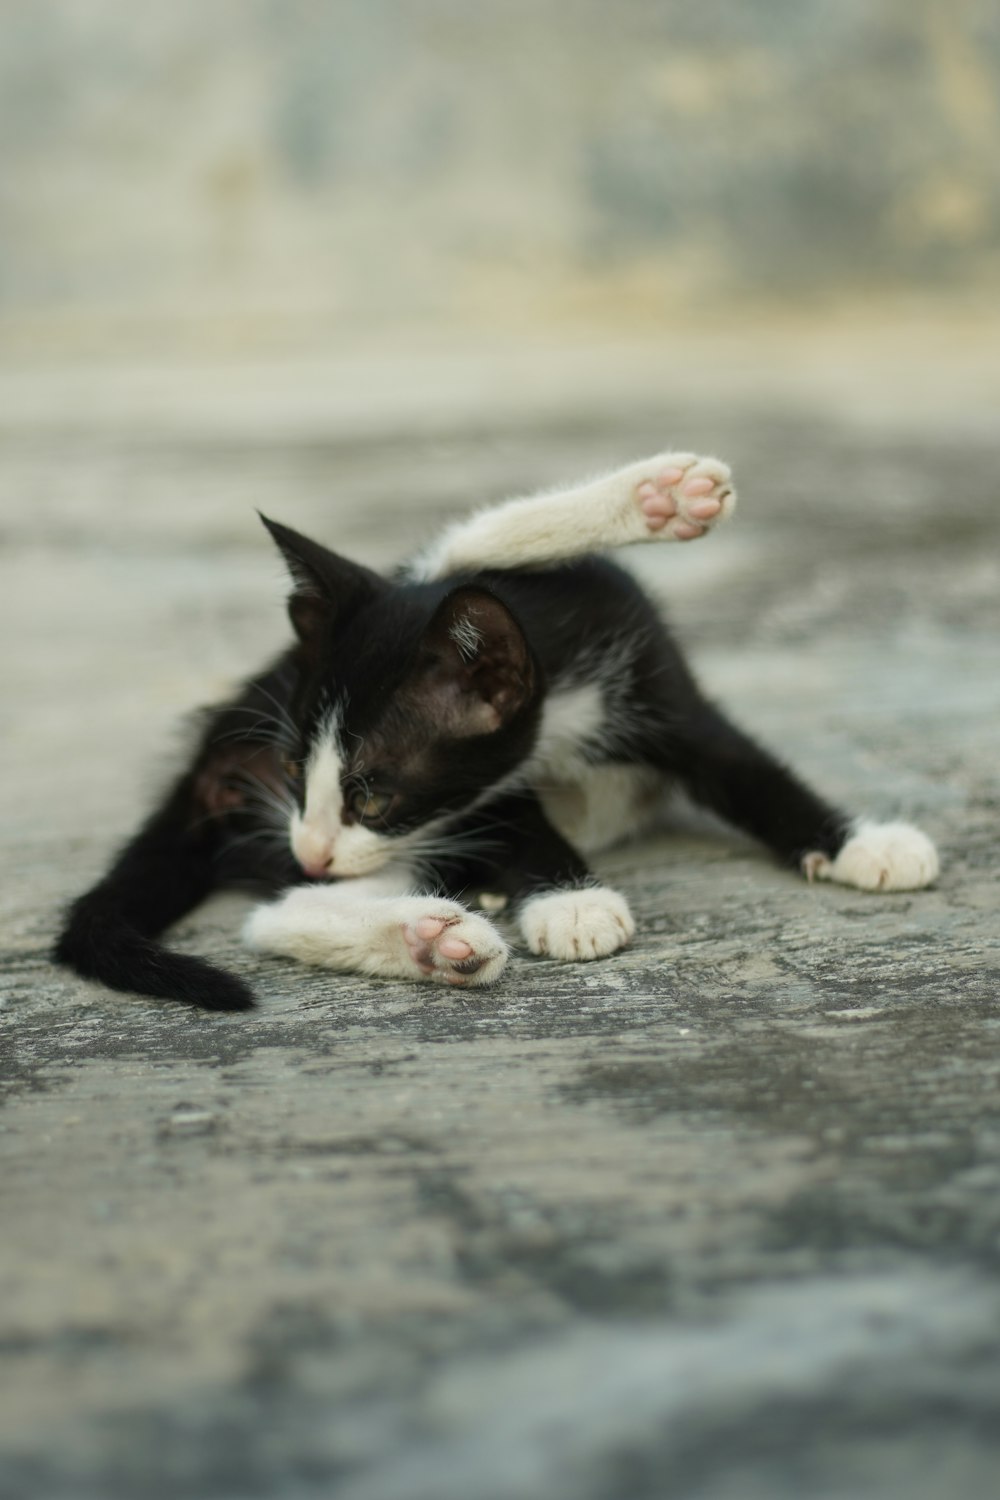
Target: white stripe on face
321	842
314	830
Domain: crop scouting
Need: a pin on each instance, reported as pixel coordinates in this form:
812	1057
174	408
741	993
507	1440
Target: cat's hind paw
576	925
878	857
681	496
453	946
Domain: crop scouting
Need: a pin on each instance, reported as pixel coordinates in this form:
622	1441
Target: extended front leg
728	772
672	497
377	926
562	911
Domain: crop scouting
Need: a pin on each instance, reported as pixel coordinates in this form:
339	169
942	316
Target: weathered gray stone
716	1218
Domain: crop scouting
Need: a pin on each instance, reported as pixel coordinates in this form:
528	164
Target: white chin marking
879	857
360	851
576	925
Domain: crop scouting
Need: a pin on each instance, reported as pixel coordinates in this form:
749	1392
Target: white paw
682	496
452	946
879	857
350	926
578	924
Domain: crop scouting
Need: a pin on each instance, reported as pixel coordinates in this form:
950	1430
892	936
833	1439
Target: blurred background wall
255	174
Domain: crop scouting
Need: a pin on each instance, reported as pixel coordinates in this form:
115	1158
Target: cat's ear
475	666
327	586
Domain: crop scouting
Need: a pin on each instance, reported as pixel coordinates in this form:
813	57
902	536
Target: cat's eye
292	768
371	804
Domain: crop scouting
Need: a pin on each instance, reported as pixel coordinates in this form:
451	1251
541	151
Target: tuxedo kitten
467	731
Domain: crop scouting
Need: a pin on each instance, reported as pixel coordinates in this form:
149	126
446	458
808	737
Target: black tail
166	871
99	944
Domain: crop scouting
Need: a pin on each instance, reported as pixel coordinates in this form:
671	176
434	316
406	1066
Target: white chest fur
593	806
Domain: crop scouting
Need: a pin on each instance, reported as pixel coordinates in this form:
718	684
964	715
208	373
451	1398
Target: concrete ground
718	1218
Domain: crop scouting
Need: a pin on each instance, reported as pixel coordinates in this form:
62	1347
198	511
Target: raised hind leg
672	497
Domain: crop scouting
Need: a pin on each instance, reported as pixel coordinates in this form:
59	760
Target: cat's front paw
682	496
577	924
449	945
878	857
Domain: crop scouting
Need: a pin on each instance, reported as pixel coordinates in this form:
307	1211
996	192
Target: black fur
442	733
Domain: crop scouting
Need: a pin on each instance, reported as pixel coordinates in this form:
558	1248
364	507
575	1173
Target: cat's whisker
264	836
261	713
266	796
282	733
429	850
256	732
282	715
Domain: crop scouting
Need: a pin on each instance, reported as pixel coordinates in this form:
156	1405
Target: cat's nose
313	850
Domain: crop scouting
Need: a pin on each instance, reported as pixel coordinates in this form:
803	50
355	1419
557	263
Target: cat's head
412	702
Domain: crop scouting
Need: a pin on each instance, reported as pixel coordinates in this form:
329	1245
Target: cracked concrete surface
718	1217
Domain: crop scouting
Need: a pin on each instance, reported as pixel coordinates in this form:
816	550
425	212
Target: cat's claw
455	947
683	496
577	925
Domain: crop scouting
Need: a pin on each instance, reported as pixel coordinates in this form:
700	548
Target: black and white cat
470	729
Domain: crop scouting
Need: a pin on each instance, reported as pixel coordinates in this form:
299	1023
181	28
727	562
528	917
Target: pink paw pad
428	940
698	486
685	501
657	503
